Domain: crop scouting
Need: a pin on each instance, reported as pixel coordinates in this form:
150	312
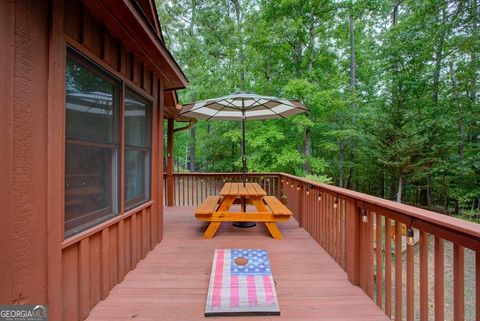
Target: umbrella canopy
242	106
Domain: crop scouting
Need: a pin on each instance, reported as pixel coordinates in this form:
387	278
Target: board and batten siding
37	264
23	156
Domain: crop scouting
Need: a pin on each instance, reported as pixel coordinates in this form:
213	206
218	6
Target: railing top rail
469	228
223	174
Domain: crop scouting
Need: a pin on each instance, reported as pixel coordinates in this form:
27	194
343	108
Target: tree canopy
392	88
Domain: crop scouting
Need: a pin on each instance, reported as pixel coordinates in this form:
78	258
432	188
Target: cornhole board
241	283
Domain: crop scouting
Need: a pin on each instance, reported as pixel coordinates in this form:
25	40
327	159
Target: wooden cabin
85	88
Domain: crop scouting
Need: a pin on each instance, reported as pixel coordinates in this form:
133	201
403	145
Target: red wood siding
37	265
23	157
103	255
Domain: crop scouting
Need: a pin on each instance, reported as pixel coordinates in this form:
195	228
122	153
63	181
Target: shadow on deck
171	282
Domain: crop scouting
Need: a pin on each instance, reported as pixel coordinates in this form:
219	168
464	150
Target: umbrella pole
244	157
244	163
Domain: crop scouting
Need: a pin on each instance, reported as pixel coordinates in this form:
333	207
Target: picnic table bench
216	209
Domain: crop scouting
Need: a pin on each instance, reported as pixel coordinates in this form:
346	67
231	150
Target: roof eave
124	20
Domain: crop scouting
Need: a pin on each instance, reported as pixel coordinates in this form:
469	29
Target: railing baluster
316	213
410	283
324	219
327	221
369	256
344	238
189	191
337	228
175	191
458	283
439	279
196	191
477	284
378	256
184	192
423	276
299	197
334	229
388	267
398	271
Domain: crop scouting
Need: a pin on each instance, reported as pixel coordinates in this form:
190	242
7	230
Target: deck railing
434	275
190	189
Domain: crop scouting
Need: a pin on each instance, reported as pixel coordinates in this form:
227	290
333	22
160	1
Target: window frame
113	195
147	196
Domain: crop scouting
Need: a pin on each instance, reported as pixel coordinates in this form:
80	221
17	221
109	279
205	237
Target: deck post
170	182
352	240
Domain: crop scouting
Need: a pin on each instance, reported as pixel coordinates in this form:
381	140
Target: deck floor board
171	283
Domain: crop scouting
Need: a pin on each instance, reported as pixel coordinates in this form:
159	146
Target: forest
392	87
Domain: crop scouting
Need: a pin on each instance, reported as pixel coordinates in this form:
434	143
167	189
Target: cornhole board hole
241	283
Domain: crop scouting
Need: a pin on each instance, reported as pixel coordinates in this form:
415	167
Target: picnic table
268	209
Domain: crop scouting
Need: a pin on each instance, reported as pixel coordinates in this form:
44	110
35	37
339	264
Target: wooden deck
171	282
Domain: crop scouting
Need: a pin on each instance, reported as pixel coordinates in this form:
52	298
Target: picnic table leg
211	230
226	203
259	205
274	231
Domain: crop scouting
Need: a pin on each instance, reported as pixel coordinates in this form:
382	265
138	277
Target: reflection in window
91	146
137	149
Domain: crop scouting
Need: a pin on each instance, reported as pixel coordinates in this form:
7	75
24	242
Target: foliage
398	118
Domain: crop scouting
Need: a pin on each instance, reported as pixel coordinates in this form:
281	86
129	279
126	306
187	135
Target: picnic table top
237	189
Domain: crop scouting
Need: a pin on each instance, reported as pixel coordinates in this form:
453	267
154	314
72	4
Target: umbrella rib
215	113
252	105
278	101
193	109
209	104
272	110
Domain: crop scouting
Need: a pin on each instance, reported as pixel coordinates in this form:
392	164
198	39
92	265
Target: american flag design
237	289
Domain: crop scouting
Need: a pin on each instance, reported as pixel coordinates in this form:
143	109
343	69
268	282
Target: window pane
137	151
137	120
90	104
88	184
137	178
91	152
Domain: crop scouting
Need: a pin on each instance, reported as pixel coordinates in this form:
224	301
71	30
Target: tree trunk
353	104
340	163
445	195
400	188
473	54
353	62
240	40
234	154
311	43
395	84
459	112
439	54
384	184
307	151
193	7
429	193
191	151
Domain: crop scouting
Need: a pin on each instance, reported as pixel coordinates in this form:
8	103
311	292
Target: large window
91	151
138	121
93	131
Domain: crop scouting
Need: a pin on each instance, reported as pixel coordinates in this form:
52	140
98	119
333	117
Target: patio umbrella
242	106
